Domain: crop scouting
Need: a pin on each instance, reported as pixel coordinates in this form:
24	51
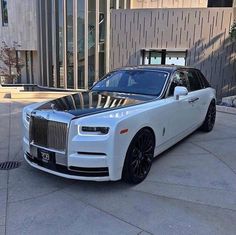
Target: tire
139	156
210	118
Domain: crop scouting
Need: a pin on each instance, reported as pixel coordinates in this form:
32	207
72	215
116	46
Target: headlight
27	118
25	115
98	130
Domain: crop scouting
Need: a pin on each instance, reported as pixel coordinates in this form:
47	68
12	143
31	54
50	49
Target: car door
182	112
204	94
197	94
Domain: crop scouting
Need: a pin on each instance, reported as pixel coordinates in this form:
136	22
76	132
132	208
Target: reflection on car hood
90	102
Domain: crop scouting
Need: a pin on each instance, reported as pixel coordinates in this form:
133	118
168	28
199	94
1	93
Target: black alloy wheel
139	157
209	121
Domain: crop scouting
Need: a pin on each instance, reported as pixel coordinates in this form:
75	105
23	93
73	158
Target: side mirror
180	91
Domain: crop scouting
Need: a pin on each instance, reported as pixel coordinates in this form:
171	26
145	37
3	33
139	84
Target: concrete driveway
191	189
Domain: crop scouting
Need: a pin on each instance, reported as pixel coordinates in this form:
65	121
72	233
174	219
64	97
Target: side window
205	83
179	79
194	81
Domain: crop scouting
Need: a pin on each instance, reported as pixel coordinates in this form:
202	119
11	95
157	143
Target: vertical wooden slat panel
203	32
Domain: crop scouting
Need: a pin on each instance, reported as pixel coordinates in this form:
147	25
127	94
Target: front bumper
94	174
94	168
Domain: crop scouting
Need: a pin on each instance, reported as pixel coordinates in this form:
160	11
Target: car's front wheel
139	157
210	118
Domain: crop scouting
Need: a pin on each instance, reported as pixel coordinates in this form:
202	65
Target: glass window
194	82
146	56
4	13
128	4
91	41
24	66
220	3
60	21
204	81
32	67
133	81
80	42
101	27
101	63
102	33
164	57
179	79
113	4
155	57
70	62
121	4
27	67
175	58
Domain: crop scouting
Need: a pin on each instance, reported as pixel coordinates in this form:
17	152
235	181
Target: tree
233	31
10	63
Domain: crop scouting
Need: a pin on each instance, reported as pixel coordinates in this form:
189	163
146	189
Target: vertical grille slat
49	134
56	134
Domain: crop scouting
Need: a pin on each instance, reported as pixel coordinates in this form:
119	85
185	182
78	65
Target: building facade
139	4
196	37
72	43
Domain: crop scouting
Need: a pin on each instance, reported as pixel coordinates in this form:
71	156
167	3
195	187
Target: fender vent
9	165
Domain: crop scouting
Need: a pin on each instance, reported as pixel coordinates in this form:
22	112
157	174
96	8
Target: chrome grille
48	134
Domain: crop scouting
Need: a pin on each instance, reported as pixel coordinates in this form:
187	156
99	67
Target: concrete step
39	95
20	93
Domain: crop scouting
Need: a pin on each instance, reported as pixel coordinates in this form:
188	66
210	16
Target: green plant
232	31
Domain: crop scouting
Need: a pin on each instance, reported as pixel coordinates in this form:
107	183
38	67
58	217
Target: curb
224	109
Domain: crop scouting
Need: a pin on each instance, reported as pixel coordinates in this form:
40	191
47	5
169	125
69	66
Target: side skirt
163	147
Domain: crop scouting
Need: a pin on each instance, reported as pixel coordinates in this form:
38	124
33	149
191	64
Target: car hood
91	102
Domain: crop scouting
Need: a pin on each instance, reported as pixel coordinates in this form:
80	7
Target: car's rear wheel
210	118
139	157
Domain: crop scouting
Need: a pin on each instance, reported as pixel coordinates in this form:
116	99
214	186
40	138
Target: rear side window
194	81
205	83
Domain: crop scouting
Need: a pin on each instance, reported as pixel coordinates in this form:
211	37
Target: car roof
166	68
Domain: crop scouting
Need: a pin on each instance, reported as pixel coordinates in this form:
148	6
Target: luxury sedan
114	130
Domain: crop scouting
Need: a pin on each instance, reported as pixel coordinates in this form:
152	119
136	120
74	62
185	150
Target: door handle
193	100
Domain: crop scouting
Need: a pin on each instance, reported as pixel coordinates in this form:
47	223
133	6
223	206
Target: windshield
133	81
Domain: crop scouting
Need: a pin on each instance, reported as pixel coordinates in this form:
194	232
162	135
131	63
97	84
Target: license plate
46	156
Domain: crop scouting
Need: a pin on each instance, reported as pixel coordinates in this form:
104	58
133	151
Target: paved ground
191	189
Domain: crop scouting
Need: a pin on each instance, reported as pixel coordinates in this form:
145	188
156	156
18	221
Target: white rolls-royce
114	130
